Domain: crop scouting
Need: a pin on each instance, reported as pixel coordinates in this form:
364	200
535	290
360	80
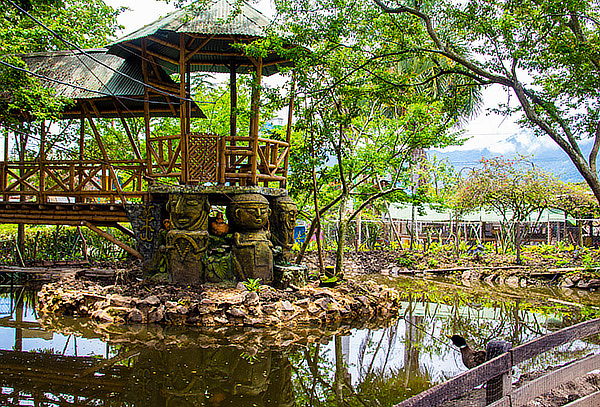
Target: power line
84	88
61	38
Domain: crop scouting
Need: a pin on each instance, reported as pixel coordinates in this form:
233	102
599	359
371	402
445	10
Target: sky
498	134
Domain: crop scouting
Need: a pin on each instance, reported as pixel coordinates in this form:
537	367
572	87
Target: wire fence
402	233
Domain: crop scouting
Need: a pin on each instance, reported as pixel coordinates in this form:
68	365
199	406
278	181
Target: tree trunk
518	241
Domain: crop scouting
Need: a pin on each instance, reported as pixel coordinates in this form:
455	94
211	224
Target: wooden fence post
499	386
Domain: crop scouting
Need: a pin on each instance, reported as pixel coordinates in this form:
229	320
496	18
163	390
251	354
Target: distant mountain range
549	158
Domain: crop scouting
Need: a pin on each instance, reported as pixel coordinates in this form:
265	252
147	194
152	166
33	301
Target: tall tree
545	52
364	106
515	189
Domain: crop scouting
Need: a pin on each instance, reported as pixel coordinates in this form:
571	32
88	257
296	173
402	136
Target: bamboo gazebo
147	74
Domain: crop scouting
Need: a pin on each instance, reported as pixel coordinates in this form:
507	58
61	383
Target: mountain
546	156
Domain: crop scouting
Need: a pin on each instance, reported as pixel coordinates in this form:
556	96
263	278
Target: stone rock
135	316
150	301
241	286
512	281
269	308
118	300
237	313
251	298
206	301
156	314
102	315
569	282
303	302
489	279
587	284
285	305
313	308
324	303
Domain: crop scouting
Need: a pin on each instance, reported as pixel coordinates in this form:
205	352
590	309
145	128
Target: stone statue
188	211
187	241
248	215
283	221
186	250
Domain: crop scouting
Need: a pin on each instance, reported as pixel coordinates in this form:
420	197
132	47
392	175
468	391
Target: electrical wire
47	78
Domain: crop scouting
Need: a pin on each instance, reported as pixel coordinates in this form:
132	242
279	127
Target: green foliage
60	243
252	284
86	23
545	52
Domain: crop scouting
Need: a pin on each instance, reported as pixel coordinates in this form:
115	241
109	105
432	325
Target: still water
67	362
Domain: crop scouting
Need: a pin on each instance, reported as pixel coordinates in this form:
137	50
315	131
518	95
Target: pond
67	362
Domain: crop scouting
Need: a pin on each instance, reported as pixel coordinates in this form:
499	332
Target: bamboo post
4	174
254	121
42	160
183	116
147	129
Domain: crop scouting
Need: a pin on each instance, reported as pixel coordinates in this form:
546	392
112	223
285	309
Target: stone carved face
249	211
188	211
285	213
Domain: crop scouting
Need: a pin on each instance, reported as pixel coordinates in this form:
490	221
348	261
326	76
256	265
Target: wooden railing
222	160
75	181
502	365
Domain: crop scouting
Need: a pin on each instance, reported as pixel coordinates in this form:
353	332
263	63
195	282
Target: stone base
217	306
286	276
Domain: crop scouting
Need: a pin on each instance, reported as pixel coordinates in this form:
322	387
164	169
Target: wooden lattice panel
202	157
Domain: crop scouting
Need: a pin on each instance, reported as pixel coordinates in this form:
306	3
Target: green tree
513	188
545	52
44	25
364	108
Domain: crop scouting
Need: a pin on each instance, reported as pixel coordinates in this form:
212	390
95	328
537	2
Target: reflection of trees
212	377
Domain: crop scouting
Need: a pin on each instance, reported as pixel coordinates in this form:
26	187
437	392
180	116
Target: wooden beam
112	239
183	120
591	400
126	231
254	122
134	146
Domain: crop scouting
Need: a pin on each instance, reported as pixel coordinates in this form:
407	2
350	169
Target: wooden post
147	129
4	173
42	160
233	102
499	386
183	116
254	121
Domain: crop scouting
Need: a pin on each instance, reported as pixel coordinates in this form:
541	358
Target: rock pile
218	306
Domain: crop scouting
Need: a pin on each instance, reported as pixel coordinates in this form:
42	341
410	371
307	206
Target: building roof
216	26
109	81
84	70
428	213
216	17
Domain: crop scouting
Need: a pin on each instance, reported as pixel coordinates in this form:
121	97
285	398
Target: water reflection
60	362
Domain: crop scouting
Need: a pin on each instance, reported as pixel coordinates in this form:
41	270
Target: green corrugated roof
222	22
83	70
99	76
228	17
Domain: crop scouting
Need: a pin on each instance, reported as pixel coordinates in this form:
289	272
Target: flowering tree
513	188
